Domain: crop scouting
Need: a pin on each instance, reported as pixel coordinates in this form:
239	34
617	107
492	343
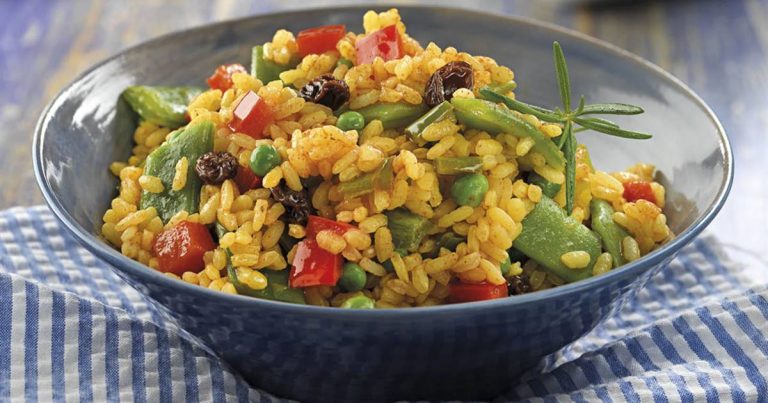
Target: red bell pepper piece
251	115
221	79
637	190
181	248
466	292
385	43
313	265
319	39
317	224
246	179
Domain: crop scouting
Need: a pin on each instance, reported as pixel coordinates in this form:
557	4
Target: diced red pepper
317	224
637	190
251	115
221	79
181	248
313	265
467	292
319	39
246	179
385	43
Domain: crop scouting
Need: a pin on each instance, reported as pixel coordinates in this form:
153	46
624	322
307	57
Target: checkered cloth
70	329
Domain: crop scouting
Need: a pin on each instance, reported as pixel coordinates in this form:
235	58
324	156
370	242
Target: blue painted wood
719	48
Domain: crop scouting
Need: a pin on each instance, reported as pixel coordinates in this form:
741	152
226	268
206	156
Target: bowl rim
104	251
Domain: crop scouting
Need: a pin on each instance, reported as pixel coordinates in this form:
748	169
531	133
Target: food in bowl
367	171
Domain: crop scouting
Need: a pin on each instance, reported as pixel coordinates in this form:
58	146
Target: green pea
264	158
469	190
358	302
505	266
352	277
350	121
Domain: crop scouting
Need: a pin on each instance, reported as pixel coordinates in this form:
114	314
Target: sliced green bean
194	141
434	115
458	165
549	189
611	234
264	69
393	115
484	115
548	233
379	179
164	106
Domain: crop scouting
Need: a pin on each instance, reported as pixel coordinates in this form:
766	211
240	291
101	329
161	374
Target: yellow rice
311	145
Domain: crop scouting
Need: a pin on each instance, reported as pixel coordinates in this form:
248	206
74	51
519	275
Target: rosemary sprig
612	109
564	84
570	165
608	127
570	118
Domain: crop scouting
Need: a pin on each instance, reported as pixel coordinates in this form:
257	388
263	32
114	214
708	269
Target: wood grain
720	48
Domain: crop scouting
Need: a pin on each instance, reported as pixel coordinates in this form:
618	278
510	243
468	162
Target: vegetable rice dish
364	170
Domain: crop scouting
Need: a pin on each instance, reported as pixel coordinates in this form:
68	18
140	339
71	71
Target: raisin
214	168
326	90
297	204
446	80
519	284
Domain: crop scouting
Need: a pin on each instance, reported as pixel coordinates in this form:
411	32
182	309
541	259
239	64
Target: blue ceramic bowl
470	350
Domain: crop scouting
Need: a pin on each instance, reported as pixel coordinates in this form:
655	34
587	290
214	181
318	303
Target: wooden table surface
718	47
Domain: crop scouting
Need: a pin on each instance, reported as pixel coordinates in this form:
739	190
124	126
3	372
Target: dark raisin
214	168
326	90
519	285
297	205
446	80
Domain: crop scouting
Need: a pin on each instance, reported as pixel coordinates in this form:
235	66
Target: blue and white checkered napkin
70	329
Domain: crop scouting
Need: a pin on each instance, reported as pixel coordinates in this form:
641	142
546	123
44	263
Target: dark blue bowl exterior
460	351
443	354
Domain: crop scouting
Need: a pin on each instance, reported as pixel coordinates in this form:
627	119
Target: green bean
436	114
485	115
220	230
450	241
277	285
546	115
194	141
264	69
548	233
610	233
164	106
503	88
549	189
379	179
408	229
458	165
392	115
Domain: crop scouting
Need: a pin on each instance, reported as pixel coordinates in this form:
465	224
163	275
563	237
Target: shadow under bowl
460	351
